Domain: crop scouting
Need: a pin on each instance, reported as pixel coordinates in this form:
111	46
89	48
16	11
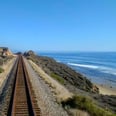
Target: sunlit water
99	67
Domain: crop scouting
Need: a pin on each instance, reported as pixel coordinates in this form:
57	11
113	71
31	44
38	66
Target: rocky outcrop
50	66
5	55
4	51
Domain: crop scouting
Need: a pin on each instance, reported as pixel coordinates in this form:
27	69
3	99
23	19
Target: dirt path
3	76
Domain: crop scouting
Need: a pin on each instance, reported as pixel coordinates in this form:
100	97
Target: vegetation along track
23	101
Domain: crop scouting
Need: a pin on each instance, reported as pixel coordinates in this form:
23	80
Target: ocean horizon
99	67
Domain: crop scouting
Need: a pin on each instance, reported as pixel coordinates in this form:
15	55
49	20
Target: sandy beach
105	90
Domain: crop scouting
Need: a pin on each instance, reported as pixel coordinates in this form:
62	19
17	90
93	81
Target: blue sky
58	25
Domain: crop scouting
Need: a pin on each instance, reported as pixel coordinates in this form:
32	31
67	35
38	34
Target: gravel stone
45	98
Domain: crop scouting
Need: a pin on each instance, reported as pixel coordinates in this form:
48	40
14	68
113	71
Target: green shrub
57	77
1	70
86	104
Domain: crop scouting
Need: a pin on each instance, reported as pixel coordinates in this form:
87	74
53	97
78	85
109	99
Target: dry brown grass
60	91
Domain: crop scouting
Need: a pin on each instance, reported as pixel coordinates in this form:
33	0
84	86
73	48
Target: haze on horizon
58	25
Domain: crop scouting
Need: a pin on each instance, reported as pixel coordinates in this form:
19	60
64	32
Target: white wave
83	65
109	72
100	68
58	61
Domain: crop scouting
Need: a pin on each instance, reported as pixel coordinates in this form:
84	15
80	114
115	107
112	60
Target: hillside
72	80
62	72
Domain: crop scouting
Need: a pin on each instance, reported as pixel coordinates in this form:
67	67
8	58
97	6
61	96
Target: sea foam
84	65
100	68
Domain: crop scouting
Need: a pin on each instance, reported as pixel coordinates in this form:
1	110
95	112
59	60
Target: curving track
23	101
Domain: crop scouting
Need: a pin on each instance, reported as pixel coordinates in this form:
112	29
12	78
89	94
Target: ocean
99	67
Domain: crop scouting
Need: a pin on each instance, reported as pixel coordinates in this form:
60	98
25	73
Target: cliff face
5	54
4	51
50	66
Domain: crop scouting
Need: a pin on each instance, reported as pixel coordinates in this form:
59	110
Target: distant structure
4	51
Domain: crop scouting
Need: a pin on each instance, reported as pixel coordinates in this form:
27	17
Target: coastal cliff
4	51
73	81
5	54
62	72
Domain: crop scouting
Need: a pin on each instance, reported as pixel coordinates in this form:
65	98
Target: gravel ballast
44	95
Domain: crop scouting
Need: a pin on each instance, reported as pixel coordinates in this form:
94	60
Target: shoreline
106	90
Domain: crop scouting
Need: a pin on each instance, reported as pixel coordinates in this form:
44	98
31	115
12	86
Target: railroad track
23	101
